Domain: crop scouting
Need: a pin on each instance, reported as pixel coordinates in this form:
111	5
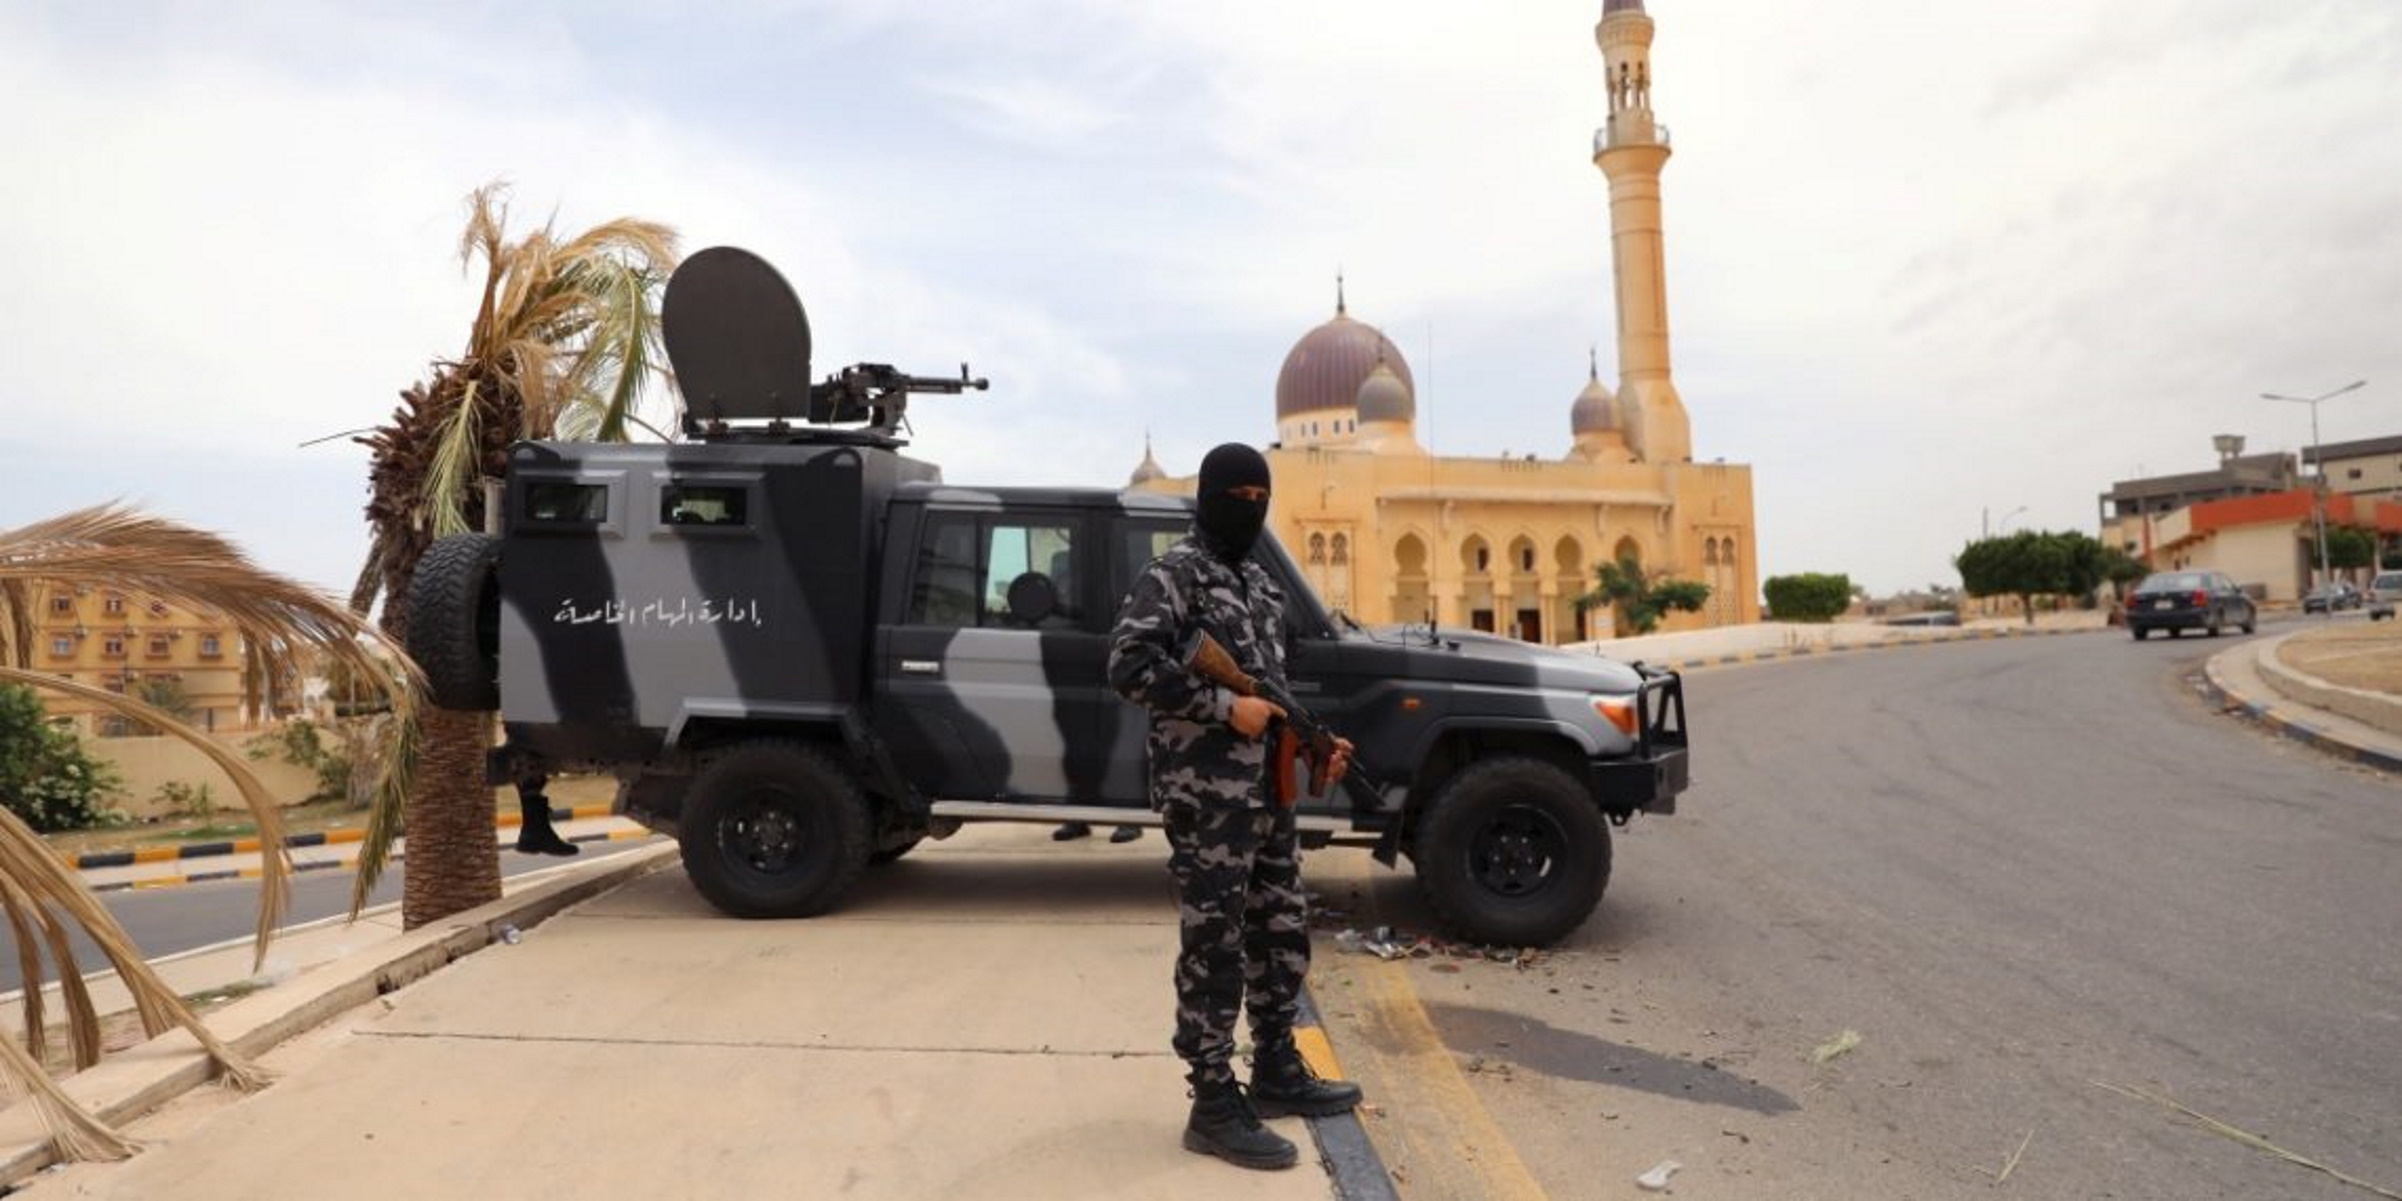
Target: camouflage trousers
1245	927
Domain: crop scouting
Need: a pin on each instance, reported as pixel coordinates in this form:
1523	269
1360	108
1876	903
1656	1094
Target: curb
247	846
2269	715
124	1087
1352	1165
1839	648
317	865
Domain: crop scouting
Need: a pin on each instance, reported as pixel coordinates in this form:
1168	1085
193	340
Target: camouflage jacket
1197	760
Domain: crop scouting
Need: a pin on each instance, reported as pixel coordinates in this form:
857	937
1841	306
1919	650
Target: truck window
966	563
564	501
704	504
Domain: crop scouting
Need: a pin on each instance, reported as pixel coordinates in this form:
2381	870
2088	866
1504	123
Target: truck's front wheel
774	829
1513	851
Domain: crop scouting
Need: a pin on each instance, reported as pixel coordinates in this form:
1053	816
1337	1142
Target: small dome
1325	369
1147	470
1595	410
1621	6
1384	397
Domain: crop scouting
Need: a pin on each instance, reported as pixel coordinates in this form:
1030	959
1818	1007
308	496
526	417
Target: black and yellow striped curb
1357	1171
2284	722
1840	648
317	865
247	846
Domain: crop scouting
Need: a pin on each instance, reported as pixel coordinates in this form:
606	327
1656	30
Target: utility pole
2318	487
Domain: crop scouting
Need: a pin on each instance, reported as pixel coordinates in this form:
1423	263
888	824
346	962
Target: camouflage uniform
1232	849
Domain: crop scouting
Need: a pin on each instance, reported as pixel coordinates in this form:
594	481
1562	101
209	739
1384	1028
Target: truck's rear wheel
774	829
1513	851
454	622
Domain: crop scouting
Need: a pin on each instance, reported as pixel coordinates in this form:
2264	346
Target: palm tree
277	621
566	332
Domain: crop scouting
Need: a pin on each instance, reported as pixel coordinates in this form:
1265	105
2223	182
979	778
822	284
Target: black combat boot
1282	1084
535	834
1224	1124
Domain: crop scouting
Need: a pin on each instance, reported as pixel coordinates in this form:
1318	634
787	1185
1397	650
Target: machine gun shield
738	338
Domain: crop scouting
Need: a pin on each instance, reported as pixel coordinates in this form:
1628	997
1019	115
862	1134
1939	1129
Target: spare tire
454	622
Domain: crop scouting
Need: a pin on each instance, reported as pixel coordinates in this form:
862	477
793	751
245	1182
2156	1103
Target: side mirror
1032	597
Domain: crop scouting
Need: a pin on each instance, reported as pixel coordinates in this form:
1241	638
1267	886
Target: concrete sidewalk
986	1018
2248	678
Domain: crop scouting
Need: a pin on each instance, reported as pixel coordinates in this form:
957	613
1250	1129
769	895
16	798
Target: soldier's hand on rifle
1251	715
1341	762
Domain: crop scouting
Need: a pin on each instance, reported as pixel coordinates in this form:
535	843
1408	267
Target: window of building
2351	473
210	647
1484	562
158	646
62	646
1342	549
113	605
112	648
1317	548
62	604
158	608
1526	559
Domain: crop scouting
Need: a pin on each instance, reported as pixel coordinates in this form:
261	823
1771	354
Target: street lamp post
1986	530
2318	488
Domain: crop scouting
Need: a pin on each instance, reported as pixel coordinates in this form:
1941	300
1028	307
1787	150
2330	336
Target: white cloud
1923	259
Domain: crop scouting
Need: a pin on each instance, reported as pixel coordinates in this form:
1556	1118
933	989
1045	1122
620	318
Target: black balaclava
1231	523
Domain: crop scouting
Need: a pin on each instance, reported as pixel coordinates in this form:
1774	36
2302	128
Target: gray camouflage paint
617	636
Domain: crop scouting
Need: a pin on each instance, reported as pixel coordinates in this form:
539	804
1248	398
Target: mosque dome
1595	410
1325	369
1147	470
1384	397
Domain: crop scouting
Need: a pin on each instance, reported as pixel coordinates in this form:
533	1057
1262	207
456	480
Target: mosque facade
1389	533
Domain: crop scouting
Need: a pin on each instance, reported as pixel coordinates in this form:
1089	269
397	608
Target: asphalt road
2020	871
167	920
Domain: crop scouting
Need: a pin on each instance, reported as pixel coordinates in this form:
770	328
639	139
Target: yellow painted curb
1449	1127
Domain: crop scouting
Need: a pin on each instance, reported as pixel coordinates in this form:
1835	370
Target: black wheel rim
764	832
1518	852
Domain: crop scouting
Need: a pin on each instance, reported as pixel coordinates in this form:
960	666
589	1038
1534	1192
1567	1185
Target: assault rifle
1302	733
878	393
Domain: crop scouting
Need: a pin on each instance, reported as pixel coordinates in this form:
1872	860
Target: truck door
986	701
1134	541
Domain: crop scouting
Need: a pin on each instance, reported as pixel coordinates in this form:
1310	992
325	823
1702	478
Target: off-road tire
1512	851
454	622
773	828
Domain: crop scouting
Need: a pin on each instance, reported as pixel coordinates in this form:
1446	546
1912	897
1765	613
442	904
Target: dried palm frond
47	883
275	862
75	1135
276	618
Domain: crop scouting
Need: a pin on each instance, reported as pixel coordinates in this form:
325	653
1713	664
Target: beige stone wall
2379	475
149	762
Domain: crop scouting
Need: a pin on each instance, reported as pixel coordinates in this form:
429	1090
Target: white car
2385	592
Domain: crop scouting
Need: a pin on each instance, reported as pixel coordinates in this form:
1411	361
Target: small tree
2350	548
45	776
2030	562
1808	596
2121	569
1640	599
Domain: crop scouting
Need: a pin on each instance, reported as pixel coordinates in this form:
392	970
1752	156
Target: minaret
1630	150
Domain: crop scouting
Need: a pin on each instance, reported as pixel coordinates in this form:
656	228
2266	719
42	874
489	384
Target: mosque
1389	533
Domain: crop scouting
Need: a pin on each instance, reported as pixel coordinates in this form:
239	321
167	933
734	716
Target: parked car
2178	601
2329	598
2385	591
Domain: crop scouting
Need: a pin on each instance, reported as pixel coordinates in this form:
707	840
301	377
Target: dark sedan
2327	598
2178	601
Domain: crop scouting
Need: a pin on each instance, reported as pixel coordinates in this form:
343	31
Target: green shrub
45	777
1808	596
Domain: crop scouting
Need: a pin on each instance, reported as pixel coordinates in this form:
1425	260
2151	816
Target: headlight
1620	711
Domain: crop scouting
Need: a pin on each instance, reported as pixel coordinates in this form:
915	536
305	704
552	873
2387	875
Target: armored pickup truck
801	653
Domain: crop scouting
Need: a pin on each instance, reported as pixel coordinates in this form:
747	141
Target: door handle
921	667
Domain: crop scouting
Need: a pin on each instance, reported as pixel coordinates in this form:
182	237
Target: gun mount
739	341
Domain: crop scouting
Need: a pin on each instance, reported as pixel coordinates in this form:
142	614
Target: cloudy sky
1927	262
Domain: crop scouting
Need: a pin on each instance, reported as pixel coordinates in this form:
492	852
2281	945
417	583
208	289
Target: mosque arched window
1317	548
1709	552
1342	549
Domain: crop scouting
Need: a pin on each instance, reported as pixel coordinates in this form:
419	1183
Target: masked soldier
1232	849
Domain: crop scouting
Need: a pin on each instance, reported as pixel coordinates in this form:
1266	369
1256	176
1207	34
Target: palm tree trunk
451	863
